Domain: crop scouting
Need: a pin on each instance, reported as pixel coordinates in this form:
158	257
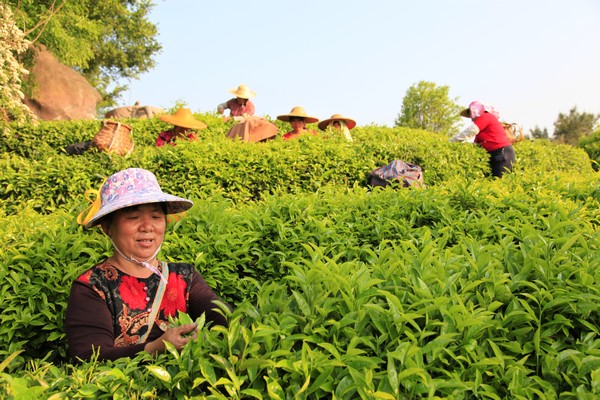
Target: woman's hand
178	336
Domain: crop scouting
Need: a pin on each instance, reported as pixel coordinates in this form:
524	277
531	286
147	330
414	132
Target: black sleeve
88	325
200	300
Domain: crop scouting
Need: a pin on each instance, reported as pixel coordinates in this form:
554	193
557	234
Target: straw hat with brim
134	187
299	113
350	123
183	118
243	92
466	113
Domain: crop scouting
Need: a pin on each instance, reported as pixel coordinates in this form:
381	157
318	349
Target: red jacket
491	134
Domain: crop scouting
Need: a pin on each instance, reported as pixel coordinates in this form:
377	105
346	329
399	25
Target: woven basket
114	137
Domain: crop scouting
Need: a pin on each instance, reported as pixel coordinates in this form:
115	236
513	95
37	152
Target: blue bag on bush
400	172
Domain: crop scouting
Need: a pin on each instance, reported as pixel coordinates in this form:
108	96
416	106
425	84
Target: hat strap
145	263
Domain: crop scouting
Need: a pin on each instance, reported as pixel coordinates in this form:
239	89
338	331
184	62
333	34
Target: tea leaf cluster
471	288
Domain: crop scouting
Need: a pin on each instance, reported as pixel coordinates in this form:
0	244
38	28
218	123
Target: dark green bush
480	280
43	176
473	287
591	145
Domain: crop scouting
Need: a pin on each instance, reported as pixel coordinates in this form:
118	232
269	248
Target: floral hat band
130	187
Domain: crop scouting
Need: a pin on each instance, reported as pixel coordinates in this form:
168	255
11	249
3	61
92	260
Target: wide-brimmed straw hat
133	187
297	112
350	123
243	92
183	118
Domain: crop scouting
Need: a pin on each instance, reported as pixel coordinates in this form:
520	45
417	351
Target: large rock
60	92
134	111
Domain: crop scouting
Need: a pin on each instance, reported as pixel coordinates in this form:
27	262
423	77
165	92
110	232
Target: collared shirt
237	110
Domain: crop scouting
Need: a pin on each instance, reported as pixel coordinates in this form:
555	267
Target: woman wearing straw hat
338	122
240	106
184	125
122	305
298	120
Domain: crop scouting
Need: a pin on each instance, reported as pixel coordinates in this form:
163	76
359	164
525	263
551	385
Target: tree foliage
591	145
429	107
106	41
12	43
569	128
539	133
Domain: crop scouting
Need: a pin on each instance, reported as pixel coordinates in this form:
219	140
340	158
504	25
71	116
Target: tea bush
36	171
591	145
470	288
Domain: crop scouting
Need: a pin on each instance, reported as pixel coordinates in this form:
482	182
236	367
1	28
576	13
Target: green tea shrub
36	141
464	289
591	145
472	287
240	247
215	165
540	156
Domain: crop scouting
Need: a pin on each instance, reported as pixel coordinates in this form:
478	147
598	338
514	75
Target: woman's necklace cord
144	263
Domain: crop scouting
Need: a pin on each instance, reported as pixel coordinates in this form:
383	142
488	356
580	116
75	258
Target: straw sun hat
350	123
183	118
243	92
298	112
132	187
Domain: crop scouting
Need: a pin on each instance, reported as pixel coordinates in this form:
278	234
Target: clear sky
531	59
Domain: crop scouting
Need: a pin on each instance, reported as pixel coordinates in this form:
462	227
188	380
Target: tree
570	128
538	133
107	40
591	145
12	43
427	106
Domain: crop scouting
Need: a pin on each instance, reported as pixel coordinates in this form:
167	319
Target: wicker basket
114	137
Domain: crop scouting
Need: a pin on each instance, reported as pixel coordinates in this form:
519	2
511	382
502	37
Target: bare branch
44	21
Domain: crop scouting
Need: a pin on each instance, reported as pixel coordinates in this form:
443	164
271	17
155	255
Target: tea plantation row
38	173
471	288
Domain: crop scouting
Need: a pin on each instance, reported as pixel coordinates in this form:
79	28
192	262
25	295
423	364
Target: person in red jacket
487	131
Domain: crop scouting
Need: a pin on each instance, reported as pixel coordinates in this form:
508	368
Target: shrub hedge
470	288
36	170
591	145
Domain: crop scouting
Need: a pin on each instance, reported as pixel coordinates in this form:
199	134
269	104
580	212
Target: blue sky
531	59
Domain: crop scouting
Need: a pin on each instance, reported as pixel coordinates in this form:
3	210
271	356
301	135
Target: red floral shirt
109	309
168	137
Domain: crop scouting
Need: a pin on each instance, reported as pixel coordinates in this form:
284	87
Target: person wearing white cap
487	131
122	305
240	106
